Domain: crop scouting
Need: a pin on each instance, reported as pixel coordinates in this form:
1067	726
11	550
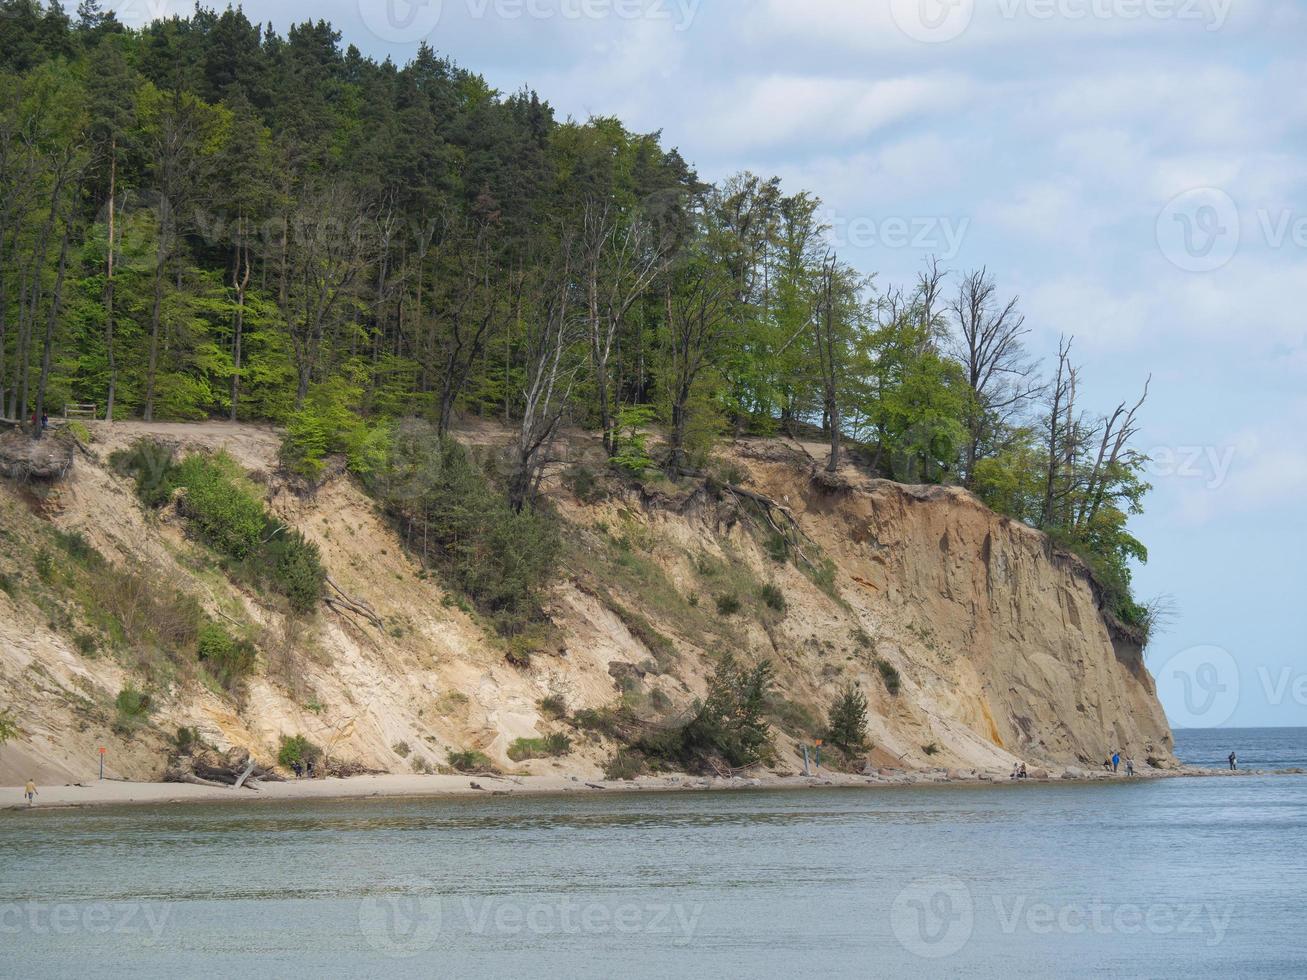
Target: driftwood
347	605
235	768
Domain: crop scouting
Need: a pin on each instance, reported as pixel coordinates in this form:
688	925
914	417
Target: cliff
976	643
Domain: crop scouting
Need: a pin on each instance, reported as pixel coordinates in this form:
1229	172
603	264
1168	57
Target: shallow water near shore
1205	877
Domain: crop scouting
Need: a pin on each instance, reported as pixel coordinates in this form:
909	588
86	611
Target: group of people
302	769
1019	771
1113	764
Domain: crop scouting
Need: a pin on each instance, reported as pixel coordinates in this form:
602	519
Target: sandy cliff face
1000	646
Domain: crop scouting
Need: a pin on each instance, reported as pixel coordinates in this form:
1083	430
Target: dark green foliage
727	726
8	584
772	597
553	706
471	761
132	706
847	728
931	749
458	522
601	721
8	728
223	511
778	548
890	675
728	604
297	748
187	740
625	764
225	657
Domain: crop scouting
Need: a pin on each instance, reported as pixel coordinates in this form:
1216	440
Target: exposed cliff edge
997	642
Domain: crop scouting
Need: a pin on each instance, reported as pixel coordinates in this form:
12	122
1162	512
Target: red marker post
102	751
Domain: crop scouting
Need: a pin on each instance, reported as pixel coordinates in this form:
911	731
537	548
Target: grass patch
471	762
553	706
772	597
552	746
625	764
890	675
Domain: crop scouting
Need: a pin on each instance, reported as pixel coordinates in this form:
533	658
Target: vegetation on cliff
203	218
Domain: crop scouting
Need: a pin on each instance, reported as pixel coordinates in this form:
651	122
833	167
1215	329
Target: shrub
8	729
601	721
847	729
553	706
8	584
133	706
583	483
225	657
625	764
778	548
931	749
551	746
292	564
401	749
773	598
728	604
78	548
499	558
227	517
150	464
420	765
296	748
187	740
727	725
471	761
890	675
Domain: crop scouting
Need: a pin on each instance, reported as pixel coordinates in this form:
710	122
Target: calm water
1200	878
1257	748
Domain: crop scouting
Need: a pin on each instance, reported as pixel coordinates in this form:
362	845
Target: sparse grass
792	716
931	749
728	604
401	749
772	597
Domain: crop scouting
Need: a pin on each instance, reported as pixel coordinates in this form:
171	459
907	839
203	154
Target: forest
204	219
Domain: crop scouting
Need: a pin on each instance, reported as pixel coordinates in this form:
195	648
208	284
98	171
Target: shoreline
435	787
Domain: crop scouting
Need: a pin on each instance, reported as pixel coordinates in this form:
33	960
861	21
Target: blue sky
1133	169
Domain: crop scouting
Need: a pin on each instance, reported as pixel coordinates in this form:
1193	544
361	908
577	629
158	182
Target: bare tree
1113	450
551	370
990	346
621	256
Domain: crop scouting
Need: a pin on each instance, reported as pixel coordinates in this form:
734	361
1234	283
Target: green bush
471	761
773	598
227	517
728	725
553	706
550	747
601	721
187	740
625	764
296	748
9	584
327	425
8	728
847	729
292	564
728	604
890	675
778	548
132	706
225	657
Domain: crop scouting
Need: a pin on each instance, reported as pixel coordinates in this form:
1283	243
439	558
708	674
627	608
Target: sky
1133	170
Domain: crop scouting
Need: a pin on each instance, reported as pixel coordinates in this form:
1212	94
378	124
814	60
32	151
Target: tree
1000	376
847	727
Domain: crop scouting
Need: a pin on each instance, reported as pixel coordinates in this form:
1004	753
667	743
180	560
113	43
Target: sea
1203	877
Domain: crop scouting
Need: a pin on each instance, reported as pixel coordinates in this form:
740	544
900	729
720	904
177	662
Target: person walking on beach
1129	767
1234	762
1116	760
29	792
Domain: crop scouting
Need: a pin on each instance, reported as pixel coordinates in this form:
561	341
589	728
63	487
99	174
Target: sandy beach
111	792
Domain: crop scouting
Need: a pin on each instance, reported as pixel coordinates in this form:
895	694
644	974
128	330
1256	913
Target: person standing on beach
29	792
1234	762
1129	767
1116	760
